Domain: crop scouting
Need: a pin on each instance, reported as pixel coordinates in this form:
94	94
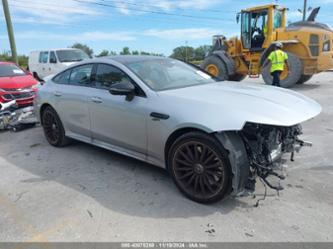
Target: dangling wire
265	194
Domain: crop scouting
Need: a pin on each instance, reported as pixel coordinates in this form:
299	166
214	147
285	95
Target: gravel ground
84	193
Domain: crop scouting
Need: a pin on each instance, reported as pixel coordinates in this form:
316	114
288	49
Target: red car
15	83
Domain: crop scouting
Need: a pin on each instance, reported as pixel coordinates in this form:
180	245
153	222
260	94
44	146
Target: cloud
188	34
81	37
49	11
182	34
130	6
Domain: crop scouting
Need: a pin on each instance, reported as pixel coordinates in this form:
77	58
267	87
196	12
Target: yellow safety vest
265	30
278	58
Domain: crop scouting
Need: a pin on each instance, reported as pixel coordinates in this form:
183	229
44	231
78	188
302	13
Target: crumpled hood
229	105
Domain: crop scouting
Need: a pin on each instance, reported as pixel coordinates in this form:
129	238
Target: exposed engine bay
265	145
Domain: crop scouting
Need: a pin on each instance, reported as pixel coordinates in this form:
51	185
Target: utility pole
304	10
186	53
10	30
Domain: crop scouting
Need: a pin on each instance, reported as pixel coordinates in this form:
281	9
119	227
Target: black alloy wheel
200	167
53	128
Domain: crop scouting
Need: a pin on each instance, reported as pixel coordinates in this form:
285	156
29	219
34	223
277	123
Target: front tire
287	79
237	77
53	128
303	79
200	167
216	67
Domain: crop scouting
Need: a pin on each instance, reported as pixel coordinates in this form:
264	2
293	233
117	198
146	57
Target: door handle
57	94
96	100
158	116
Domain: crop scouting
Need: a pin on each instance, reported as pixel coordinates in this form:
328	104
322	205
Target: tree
84	48
126	51
103	53
201	52
135	52
22	59
184	53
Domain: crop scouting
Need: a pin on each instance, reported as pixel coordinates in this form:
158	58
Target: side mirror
238	17
125	89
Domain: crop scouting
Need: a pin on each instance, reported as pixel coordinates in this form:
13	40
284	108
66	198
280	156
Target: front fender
238	158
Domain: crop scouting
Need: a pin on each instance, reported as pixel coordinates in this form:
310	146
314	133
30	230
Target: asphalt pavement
83	193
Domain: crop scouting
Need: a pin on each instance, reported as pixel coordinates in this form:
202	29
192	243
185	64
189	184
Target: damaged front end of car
265	145
256	152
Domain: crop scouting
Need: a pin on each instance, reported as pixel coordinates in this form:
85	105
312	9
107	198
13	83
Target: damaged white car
215	138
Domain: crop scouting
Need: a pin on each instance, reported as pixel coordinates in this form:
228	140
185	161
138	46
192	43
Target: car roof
54	49
124	59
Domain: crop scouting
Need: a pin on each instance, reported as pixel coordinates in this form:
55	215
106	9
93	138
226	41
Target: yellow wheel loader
309	45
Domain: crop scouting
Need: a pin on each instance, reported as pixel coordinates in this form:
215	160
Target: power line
56	7
141	4
149	11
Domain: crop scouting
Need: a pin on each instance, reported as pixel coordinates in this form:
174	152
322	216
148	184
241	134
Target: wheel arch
232	143
176	134
42	109
290	46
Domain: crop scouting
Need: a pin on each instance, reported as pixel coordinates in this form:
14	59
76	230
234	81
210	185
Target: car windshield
164	74
71	55
11	70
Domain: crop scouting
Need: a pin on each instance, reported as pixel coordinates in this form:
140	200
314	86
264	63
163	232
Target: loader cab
258	25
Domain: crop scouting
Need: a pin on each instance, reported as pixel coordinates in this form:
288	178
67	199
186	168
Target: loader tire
303	79
216	67
287	79
237	77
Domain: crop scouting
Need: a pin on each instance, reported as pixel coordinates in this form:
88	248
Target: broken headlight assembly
265	145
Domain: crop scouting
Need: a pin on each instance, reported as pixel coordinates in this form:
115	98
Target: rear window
11	71
43	57
327	46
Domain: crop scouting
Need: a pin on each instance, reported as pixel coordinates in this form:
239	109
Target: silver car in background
215	138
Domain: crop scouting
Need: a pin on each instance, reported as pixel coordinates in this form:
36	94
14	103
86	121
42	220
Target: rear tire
304	78
216	67
237	77
296	70
200	167
53	129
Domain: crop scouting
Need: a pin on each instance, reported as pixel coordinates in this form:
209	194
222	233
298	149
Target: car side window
62	78
81	75
107	75
43	57
53	58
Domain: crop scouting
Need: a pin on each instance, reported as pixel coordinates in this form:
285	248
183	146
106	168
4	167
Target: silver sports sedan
215	138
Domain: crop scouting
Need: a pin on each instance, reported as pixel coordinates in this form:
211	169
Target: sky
146	25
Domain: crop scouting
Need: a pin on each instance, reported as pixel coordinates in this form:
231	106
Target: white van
47	62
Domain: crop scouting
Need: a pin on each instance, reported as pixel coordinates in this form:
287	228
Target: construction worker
277	58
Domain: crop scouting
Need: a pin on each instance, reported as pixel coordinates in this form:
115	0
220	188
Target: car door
53	66
43	63
116	121
72	92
